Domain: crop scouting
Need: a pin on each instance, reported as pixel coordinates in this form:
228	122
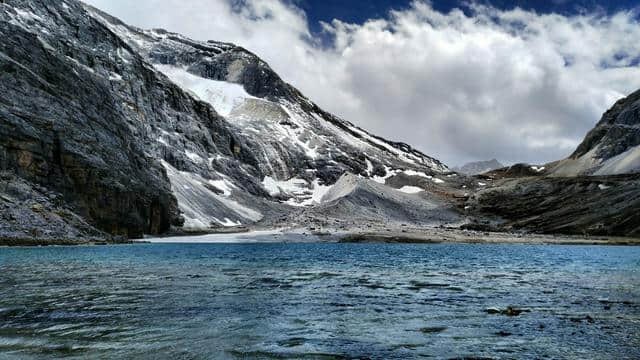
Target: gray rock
109	130
88	113
612	147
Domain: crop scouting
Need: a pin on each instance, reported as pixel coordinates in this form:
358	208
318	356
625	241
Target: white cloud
514	85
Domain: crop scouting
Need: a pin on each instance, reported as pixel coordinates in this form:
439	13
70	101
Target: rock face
67	124
478	167
29	211
583	205
612	147
596	191
141	131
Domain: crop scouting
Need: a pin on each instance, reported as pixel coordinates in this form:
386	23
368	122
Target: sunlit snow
222	95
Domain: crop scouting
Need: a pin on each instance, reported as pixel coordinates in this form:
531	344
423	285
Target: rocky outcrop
611	147
583	205
596	191
69	123
29	211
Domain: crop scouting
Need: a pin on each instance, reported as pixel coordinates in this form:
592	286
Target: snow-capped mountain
107	129
142	129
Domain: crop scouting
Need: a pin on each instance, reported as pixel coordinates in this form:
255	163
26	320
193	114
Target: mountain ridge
478	167
110	131
127	126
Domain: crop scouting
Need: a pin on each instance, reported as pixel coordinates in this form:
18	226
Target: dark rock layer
585	205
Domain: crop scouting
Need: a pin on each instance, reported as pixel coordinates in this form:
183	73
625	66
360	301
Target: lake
320	301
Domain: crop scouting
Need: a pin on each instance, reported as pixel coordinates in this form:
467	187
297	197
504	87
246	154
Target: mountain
593	192
110	132
145	131
478	167
611	147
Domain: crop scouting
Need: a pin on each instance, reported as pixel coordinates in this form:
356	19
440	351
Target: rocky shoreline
404	236
435	236
37	242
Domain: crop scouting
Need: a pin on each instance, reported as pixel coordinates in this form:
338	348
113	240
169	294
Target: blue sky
518	86
359	11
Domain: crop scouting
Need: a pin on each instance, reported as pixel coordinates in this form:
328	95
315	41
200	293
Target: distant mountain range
478	167
111	132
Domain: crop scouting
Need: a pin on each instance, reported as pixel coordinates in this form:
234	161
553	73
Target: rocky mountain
141	131
612	147
111	132
596	191
478	167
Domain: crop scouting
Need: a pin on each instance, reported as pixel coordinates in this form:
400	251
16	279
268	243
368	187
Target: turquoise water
324	301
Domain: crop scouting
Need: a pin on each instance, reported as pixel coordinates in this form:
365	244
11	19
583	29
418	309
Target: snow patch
389	173
223	185
45	44
81	64
194	157
114	77
410	189
417	173
420	174
369	167
301	192
228	223
223	96
27	15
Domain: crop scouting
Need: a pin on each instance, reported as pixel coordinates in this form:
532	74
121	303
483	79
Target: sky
515	80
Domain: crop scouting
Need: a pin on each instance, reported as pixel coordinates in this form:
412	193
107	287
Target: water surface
381	301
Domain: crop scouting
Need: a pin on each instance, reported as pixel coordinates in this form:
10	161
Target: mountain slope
141	131
611	147
106	130
596	191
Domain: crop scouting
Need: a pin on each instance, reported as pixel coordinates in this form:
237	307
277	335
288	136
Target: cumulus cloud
514	85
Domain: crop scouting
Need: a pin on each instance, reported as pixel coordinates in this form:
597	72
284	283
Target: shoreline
417	235
460	237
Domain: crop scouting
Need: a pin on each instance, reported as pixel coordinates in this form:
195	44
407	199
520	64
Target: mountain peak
612	146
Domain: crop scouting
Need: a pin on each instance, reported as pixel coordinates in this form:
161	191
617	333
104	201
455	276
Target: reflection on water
321	301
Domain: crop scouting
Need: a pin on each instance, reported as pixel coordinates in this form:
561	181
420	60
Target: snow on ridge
410	158
409	172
